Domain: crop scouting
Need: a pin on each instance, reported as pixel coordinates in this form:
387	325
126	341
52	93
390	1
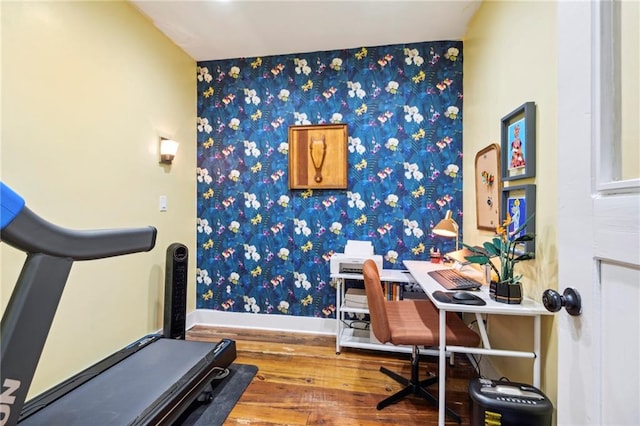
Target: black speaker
175	291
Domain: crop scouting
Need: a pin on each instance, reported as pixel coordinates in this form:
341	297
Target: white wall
510	52
87	89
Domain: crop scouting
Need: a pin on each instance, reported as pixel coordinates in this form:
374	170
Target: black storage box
500	403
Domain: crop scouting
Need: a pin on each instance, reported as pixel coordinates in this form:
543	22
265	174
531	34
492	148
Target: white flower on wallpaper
234	72
251	253
251	201
202	276
413	57
234	226
452	54
234	123
283	253
336	228
203	226
283	148
452	112
301	118
251	149
354	199
250	305
203	125
391	200
392	87
452	170
284	95
234	175
203	74
203	176
283	200
355	90
355	145
234	278
336	64
391	256
301	66
412	171
300	227
412	228
336	118
283	306
251	97
412	114
301	280
392	144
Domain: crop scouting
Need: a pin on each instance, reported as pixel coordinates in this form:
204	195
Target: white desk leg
442	368
536	351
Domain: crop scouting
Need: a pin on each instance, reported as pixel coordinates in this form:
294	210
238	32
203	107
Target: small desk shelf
350	337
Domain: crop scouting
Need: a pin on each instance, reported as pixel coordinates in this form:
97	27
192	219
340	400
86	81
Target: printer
353	258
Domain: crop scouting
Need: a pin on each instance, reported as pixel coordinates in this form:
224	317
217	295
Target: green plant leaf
525	237
524	256
479	259
491	248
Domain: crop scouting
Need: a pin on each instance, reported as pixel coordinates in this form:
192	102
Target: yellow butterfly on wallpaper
418	249
255	64
207	93
208	143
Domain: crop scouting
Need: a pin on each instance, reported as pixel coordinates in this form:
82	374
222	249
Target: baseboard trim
288	323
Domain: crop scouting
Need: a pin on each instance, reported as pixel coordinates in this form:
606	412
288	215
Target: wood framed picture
318	156
520	202
518	140
488	184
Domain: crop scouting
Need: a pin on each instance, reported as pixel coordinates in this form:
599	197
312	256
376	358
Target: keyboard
454	280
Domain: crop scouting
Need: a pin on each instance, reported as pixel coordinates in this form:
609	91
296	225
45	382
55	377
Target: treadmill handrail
26	231
32	234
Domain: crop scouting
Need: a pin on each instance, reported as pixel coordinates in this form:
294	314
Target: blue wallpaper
263	248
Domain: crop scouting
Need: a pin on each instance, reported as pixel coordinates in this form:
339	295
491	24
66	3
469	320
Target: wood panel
301	381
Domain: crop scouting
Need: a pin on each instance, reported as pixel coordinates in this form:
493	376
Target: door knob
570	299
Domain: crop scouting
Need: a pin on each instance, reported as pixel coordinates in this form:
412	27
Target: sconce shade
447	227
168	149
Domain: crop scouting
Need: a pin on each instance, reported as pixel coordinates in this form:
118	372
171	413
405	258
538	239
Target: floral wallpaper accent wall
263	248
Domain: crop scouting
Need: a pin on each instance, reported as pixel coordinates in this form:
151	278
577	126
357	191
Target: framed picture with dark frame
518	140
520	202
488	185
318	156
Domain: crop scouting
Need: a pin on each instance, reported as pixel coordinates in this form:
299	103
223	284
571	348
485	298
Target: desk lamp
447	227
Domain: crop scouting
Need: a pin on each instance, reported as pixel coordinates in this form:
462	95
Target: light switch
163	203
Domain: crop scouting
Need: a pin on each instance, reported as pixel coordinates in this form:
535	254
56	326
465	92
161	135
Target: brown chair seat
414	322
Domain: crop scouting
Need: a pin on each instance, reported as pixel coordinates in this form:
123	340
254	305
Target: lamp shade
447	227
168	149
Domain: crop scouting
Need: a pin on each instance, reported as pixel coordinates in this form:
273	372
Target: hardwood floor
302	381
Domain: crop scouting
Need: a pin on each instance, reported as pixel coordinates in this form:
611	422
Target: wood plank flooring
302	381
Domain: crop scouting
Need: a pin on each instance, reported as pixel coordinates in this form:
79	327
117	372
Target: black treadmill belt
120	394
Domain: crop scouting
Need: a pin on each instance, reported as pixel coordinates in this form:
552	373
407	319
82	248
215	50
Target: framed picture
518	140
520	202
488	184
318	156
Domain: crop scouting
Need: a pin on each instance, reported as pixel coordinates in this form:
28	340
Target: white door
599	212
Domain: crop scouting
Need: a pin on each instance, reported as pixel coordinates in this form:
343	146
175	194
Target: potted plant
507	287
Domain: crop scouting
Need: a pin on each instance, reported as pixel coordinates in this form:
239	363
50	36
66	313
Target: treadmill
150	382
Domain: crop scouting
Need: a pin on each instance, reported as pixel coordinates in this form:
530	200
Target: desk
420	269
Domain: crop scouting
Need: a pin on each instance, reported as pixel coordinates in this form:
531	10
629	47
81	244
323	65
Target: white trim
208	317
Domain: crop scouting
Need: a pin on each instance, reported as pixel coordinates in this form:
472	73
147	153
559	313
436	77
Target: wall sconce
168	149
447	227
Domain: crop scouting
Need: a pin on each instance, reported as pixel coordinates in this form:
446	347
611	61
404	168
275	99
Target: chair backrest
376	301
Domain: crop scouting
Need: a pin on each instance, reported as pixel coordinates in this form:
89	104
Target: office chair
410	322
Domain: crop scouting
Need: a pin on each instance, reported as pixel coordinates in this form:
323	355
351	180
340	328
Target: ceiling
224	29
